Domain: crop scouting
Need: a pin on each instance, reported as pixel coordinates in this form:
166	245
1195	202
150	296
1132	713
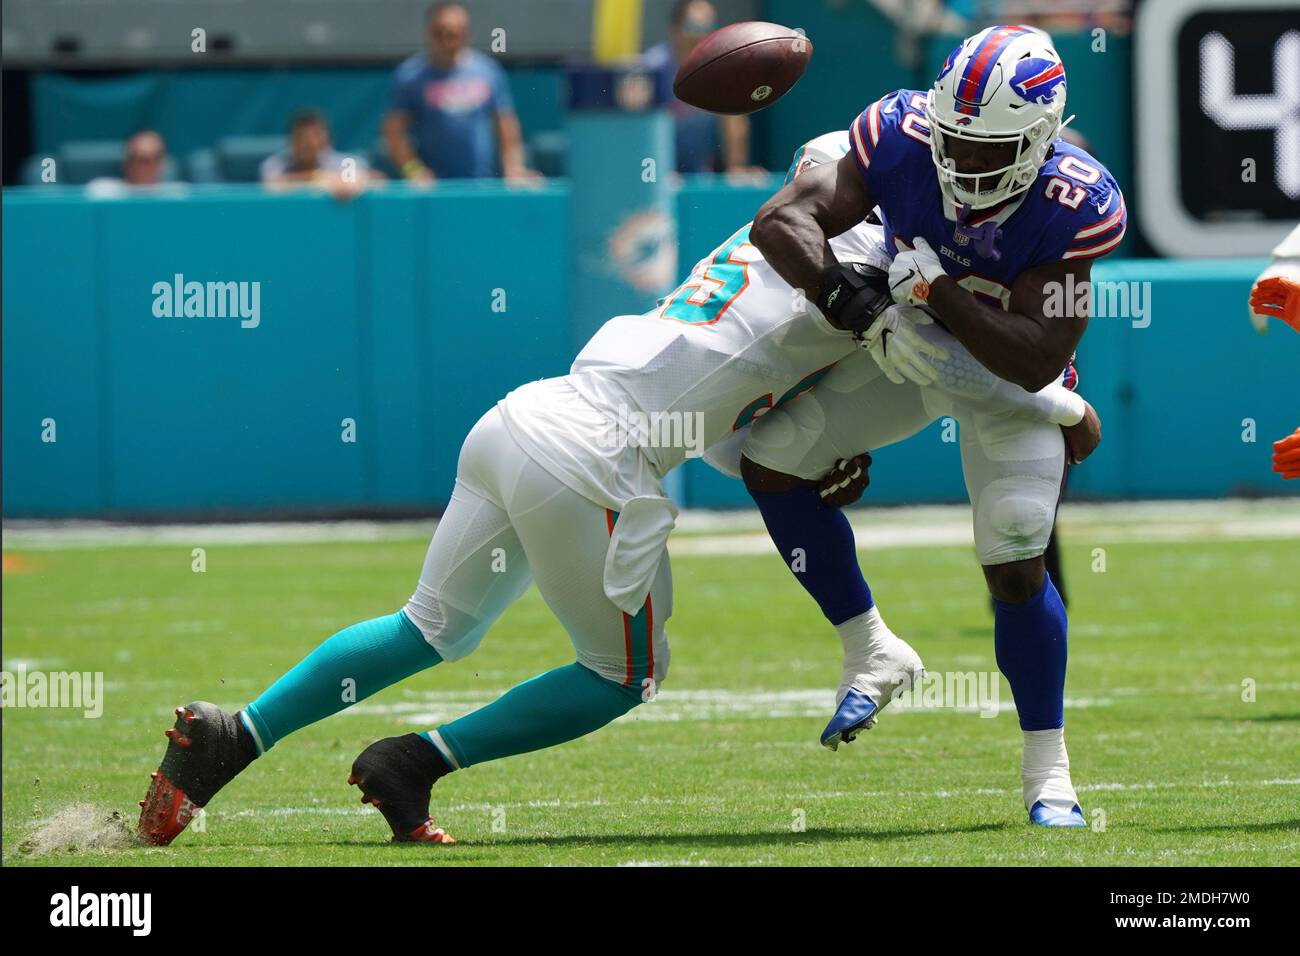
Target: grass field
724	767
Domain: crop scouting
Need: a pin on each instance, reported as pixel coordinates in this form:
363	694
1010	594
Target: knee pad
450	631
1013	518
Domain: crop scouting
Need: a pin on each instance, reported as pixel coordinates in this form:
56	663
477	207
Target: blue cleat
1045	816
856	713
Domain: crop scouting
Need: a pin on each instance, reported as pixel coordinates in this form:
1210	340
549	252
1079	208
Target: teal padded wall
381	310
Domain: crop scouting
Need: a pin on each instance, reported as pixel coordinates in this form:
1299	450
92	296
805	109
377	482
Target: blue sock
353	664
1030	646
816	543
560	705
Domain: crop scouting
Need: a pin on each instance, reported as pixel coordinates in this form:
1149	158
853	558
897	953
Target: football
743	67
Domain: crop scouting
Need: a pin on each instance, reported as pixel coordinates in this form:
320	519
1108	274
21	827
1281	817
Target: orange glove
1278	297
1286	455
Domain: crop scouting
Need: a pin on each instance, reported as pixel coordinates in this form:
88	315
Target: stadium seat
203	166
239	158
77	162
32	169
80	161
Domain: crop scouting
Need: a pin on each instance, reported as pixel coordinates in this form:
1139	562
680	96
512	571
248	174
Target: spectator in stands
144	159
452	115
706	142
1067	16
144	165
310	159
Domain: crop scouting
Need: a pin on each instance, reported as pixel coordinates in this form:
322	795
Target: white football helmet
1005	85
826	148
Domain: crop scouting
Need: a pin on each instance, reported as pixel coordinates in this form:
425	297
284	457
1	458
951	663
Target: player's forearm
1012	346
1052	405
964	378
794	244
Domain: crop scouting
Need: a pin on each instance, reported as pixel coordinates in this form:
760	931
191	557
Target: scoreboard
1216	86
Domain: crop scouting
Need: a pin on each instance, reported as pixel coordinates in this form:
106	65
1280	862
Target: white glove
912	272
900	352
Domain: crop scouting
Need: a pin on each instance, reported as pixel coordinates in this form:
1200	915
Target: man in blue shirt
451	114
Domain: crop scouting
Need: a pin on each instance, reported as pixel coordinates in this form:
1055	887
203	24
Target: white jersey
731	343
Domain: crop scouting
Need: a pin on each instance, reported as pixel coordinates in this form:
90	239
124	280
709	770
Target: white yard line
714	533
432	708
72	535
795	798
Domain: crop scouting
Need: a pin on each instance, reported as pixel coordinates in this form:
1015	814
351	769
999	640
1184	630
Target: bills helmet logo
1037	80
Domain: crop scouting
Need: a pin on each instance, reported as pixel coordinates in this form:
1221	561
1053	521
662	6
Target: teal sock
353	664
552	708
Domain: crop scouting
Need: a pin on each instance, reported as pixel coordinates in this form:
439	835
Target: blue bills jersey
1074	210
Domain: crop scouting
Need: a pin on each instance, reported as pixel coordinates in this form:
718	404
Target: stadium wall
385	311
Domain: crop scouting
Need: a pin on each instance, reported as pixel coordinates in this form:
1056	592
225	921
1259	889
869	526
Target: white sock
861	636
1046	770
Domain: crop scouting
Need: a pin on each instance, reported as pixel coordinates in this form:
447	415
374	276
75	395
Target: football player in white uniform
561	483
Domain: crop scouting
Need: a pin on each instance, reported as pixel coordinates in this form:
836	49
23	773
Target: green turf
1184	770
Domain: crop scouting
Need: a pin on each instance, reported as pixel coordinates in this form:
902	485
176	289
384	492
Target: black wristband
853	296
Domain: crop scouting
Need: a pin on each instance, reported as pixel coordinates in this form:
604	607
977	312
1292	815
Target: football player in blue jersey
994	221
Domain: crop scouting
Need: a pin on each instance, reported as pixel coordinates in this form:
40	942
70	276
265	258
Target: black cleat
206	749
396	776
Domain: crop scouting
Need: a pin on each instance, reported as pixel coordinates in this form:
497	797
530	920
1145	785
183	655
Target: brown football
743	67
